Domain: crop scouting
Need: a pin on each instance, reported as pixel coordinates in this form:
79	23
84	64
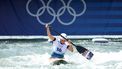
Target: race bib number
59	49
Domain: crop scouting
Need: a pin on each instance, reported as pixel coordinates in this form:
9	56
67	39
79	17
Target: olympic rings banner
74	17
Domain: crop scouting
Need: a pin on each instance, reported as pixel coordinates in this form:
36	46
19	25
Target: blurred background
75	17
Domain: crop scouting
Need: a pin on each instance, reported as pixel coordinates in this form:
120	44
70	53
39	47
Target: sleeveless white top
58	47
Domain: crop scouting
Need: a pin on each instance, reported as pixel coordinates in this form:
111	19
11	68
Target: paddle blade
85	52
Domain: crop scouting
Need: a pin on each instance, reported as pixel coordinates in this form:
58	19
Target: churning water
34	54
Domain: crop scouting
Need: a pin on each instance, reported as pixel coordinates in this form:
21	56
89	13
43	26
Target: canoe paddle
85	52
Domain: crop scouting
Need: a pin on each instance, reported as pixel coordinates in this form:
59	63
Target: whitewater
34	54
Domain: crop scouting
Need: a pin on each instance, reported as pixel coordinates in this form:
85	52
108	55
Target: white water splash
29	56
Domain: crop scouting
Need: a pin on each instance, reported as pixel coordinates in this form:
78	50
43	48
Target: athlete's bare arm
70	46
49	33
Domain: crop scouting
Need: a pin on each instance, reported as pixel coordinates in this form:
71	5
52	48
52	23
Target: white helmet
64	35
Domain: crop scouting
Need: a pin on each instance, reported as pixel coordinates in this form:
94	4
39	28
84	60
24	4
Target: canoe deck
58	62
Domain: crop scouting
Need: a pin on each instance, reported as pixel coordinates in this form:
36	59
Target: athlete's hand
47	25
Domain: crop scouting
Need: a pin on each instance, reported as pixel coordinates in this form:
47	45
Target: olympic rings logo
57	14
